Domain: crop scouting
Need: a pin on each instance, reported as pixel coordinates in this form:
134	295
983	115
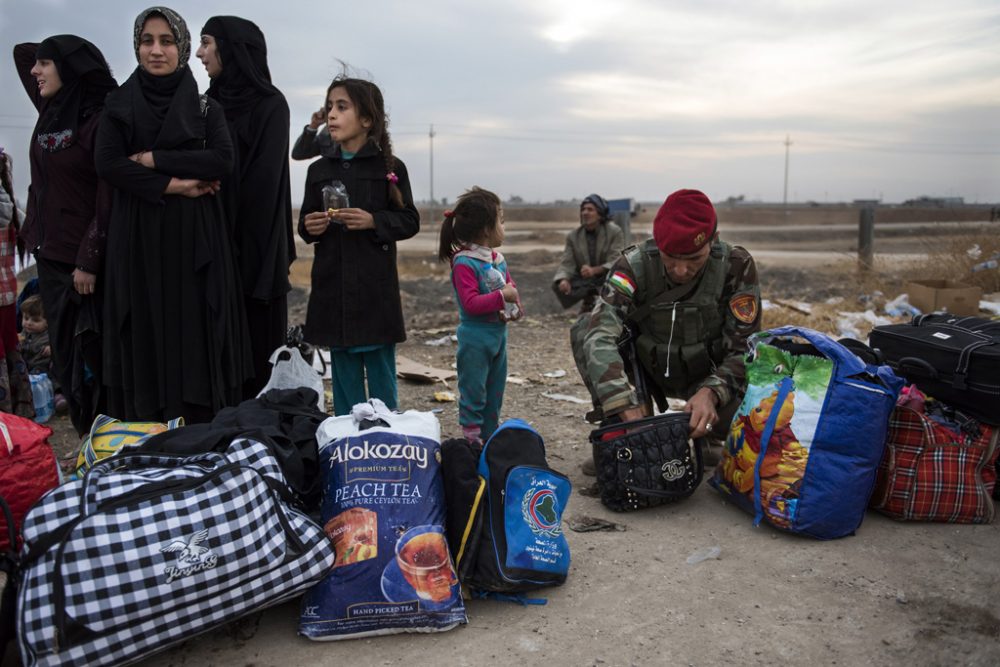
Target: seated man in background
689	302
591	249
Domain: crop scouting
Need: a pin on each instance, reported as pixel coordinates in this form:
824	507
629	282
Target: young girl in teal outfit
487	300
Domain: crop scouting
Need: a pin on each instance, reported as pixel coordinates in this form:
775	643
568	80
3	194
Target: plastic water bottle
43	397
335	198
496	281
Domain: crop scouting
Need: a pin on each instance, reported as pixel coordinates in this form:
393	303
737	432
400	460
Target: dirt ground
893	594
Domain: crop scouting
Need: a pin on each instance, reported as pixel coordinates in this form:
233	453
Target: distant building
937	202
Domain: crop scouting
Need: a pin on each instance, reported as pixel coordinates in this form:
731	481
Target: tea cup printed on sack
423	558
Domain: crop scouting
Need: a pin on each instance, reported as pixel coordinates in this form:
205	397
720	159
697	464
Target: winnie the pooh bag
804	446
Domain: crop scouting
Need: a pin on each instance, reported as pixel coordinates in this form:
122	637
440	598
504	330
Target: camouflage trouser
576	335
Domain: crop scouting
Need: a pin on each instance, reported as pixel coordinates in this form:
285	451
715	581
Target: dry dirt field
893	594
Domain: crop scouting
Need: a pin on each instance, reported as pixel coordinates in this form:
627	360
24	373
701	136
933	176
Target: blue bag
522	546
804	447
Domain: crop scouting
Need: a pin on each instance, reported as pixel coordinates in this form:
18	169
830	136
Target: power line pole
431	136
788	143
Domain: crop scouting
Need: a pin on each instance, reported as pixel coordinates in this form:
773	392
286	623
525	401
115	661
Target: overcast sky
554	99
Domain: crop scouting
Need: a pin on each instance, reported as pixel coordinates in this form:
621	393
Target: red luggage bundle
932	473
28	468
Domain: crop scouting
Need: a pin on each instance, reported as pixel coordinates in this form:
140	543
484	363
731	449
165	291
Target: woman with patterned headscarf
175	333
68	208
257	193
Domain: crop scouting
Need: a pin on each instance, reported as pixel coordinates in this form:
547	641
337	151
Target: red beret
685	223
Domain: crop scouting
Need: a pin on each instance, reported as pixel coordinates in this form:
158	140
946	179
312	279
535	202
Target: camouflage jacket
627	289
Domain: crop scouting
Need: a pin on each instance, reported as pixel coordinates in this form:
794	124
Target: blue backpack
505	517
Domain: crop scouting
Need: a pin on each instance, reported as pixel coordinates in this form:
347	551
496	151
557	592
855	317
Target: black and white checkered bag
149	549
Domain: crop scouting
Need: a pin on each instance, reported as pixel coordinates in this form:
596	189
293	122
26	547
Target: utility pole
431	136
788	143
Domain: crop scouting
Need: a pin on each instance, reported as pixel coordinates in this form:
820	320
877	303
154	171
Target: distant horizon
826	101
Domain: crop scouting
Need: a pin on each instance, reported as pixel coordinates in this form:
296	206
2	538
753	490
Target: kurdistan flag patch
623	283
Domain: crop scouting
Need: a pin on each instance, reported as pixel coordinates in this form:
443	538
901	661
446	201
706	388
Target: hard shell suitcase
953	359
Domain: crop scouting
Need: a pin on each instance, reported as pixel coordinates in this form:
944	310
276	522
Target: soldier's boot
588	468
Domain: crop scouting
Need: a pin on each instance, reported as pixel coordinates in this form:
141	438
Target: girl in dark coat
256	193
175	333
354	306
68	209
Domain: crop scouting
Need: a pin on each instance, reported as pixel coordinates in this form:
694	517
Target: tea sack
383	509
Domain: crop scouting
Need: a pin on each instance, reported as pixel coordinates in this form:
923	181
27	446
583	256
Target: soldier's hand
587	271
704	418
632	414
565	286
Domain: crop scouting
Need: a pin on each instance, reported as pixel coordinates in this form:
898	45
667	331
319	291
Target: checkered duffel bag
149	549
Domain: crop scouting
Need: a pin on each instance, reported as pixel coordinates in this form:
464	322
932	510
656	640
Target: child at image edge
354	306
469	235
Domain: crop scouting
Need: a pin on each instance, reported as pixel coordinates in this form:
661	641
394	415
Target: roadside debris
565	397
558	373
590	524
705	553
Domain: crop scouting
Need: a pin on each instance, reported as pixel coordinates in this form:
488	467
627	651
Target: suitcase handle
920	366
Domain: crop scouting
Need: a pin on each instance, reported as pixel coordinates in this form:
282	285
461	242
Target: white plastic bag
290	371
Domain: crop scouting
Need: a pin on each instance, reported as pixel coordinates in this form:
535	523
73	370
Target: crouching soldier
689	301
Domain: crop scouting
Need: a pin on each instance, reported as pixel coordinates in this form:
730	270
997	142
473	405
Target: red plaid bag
929	474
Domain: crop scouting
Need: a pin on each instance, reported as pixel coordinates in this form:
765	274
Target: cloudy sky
553	99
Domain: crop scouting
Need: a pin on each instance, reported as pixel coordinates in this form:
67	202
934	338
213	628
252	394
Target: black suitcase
953	359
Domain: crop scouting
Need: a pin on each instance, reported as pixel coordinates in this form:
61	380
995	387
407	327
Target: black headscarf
171	102
242	52
86	81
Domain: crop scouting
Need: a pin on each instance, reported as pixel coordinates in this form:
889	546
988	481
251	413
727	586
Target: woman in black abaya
256	193
66	223
175	334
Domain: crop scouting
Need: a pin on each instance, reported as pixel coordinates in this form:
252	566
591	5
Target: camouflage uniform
697	341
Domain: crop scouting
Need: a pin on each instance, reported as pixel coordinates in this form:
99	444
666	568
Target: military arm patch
744	308
623	283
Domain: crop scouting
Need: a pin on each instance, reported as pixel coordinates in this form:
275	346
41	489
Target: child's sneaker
61	404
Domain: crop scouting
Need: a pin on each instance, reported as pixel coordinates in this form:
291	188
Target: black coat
355	286
68	207
175	331
258	199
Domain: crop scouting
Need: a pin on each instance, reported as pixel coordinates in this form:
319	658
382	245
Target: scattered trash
901	597
516	380
566	397
991	263
901	306
991	307
444	397
592	491
975	252
408	369
765	304
849	324
705	553
559	373
834	300
589	524
800	307
443	340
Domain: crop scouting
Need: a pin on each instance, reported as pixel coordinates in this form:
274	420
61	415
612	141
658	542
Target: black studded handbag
647	462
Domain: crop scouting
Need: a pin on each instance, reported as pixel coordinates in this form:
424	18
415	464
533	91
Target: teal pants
482	375
350	367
